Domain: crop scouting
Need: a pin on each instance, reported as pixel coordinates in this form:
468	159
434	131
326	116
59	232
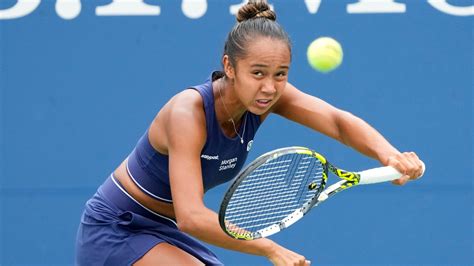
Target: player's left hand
408	164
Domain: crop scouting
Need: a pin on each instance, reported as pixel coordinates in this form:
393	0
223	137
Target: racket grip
382	174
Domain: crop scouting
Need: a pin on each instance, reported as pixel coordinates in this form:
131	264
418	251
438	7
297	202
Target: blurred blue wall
78	87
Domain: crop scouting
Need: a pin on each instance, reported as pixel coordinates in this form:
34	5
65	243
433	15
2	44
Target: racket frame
349	179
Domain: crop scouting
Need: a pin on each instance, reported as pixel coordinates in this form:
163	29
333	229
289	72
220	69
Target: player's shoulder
185	112
185	119
188	96
188	101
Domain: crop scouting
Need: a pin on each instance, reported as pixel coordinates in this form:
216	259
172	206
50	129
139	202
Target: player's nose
268	87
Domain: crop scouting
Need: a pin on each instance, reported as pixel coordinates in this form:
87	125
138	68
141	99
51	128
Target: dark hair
254	19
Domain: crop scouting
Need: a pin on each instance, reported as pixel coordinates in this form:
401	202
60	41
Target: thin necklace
232	120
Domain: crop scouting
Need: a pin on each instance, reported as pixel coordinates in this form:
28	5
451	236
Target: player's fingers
413	156
301	261
419	165
307	263
397	164
410	162
401	181
421	171
415	164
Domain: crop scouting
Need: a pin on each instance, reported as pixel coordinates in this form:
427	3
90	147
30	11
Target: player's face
261	76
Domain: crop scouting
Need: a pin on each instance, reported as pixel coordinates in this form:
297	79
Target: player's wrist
269	248
385	157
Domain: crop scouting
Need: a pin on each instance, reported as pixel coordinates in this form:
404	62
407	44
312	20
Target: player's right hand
281	256
408	164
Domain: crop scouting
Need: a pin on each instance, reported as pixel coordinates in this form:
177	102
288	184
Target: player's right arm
345	127
186	136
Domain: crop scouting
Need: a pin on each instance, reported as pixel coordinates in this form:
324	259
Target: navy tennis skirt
116	230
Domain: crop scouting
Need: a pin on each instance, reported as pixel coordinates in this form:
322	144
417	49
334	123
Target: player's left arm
345	127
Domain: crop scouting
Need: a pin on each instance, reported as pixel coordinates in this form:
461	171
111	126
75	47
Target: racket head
272	192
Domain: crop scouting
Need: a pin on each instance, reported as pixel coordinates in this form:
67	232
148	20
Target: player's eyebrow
263	65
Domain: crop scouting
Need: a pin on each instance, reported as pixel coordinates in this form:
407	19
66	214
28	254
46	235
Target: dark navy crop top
221	158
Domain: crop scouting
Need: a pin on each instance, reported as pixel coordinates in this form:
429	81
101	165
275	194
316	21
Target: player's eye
258	73
281	75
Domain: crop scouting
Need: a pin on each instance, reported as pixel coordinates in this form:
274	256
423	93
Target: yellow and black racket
280	187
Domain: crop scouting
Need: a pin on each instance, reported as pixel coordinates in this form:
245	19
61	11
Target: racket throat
333	189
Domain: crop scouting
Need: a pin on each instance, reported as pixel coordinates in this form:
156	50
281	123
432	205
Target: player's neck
228	106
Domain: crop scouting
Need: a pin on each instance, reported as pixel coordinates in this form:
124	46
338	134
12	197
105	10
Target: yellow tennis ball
324	54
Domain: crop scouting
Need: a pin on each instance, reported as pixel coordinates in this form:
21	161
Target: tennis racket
280	187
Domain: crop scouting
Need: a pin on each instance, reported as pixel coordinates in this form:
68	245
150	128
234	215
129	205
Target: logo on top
249	145
210	157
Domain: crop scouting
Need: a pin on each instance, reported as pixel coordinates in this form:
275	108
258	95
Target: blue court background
76	95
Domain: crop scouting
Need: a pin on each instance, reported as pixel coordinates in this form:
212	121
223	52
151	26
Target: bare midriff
127	183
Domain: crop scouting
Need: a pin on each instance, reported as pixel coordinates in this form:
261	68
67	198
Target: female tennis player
151	209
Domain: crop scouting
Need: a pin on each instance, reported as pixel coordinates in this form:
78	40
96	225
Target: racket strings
273	191
258	206
244	196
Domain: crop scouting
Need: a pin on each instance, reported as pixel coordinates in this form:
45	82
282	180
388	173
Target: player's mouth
263	103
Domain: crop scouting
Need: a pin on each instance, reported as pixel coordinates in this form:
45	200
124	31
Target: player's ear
228	67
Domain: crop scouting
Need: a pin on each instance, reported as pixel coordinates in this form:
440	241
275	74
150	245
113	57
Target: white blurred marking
194	9
447	8
20	9
312	5
128	8
376	6
68	9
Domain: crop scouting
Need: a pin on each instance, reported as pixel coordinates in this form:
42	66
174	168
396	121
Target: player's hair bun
255	9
